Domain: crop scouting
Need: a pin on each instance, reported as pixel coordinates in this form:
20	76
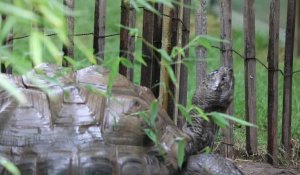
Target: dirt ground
255	168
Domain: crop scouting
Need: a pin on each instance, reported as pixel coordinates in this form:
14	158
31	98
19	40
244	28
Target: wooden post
250	75
201	29
9	43
273	81
157	43
179	61
170	29
127	42
288	71
185	40
297	40
166	45
226	60
175	30
68	50
99	29
150	72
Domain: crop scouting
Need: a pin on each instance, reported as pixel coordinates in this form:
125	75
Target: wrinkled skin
210	164
216	91
214	94
73	129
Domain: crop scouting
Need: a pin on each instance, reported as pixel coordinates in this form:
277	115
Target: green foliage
9	166
181	151
11	89
152	135
148	4
220	119
48	14
113	66
153	112
36	47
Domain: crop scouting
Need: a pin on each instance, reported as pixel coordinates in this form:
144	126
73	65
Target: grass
84	24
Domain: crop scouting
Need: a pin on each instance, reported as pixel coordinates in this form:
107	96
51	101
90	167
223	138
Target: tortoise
70	125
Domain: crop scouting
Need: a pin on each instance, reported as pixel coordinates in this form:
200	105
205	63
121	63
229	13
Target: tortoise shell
70	126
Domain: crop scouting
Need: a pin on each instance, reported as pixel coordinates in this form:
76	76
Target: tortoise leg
210	164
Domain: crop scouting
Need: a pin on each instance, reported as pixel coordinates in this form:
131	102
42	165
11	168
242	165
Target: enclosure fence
170	27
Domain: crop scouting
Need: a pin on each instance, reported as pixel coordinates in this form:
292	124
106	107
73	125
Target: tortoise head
215	93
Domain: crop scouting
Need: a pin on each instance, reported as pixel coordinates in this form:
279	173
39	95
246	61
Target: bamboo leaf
12	89
36	48
177	51
181	152
165	2
51	17
204	43
164	55
151	134
134	5
213	39
70	60
10	9
145	116
200	112
206	150
88	52
9	166
235	119
140	59
220	121
153	112
147	6
6	27
52	48
171	73
183	110
114	71
126	62
191	68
